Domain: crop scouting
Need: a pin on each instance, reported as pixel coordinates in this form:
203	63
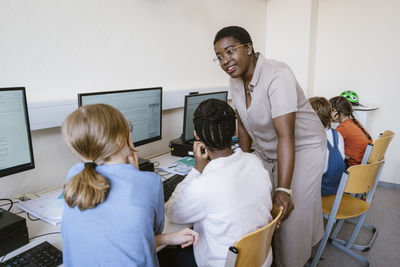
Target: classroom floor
385	215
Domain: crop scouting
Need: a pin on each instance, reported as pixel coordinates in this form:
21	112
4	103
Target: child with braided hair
356	138
227	194
113	213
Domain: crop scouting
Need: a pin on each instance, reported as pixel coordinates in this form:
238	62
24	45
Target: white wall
351	45
58	48
289	35
358	49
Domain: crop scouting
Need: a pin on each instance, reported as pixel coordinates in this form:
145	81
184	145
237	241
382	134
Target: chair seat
349	206
356	180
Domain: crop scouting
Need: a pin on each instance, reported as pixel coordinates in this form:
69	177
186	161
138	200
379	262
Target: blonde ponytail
95	133
87	189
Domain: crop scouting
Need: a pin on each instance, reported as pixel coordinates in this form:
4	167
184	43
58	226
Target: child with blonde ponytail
114	213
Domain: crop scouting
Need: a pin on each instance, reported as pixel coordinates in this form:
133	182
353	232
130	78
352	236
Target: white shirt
231	198
329	137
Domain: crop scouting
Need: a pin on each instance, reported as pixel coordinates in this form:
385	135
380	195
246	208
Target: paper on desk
49	207
177	168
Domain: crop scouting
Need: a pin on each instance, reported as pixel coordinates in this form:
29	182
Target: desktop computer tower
13	232
180	148
148	167
145	165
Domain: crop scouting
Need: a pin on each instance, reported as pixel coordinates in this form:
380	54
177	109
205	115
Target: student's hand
201	158
184	237
335	116
284	202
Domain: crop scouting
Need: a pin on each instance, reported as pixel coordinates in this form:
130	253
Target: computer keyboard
170	184
44	254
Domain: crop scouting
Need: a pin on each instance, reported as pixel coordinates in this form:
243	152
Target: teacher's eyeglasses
230	52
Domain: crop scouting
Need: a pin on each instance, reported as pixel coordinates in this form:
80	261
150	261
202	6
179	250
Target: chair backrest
380	146
362	178
376	151
387	133
254	247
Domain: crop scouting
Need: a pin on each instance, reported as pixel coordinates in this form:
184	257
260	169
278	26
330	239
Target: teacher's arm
244	137
285	129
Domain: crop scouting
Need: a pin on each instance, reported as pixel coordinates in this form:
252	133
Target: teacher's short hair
236	32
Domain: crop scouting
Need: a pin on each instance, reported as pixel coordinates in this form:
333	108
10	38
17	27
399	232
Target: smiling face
235	58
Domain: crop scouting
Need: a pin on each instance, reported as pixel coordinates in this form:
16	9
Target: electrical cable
7	199
34	220
156	162
52	233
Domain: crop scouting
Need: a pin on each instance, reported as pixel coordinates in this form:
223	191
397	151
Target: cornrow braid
215	123
362	128
208	132
343	106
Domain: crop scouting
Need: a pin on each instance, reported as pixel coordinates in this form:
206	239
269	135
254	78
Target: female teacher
288	136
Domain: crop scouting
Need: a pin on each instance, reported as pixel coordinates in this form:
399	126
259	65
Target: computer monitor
16	153
142	107
192	101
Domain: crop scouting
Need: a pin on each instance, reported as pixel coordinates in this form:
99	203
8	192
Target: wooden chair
374	152
356	180
253	248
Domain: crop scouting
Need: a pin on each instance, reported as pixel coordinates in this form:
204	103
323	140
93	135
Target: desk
361	113
36	228
165	160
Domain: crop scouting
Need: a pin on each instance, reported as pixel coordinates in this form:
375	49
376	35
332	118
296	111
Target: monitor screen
15	136
191	103
142	107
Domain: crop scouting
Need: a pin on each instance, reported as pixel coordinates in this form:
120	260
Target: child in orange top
356	138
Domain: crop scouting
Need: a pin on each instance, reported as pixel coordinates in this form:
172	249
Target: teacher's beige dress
275	92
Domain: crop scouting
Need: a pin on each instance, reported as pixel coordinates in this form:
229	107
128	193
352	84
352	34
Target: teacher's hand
284	202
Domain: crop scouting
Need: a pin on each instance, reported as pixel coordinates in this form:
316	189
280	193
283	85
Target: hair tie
91	164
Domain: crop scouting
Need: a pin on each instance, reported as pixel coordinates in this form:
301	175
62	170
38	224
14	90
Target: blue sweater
120	231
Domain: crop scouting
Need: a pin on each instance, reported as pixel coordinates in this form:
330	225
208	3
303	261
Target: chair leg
360	247
347	247
335	231
356	230
350	252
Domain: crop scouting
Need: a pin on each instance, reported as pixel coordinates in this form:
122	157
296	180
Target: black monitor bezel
25	166
185	110
142	142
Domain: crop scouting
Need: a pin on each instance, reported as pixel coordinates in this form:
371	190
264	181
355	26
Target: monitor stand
145	165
